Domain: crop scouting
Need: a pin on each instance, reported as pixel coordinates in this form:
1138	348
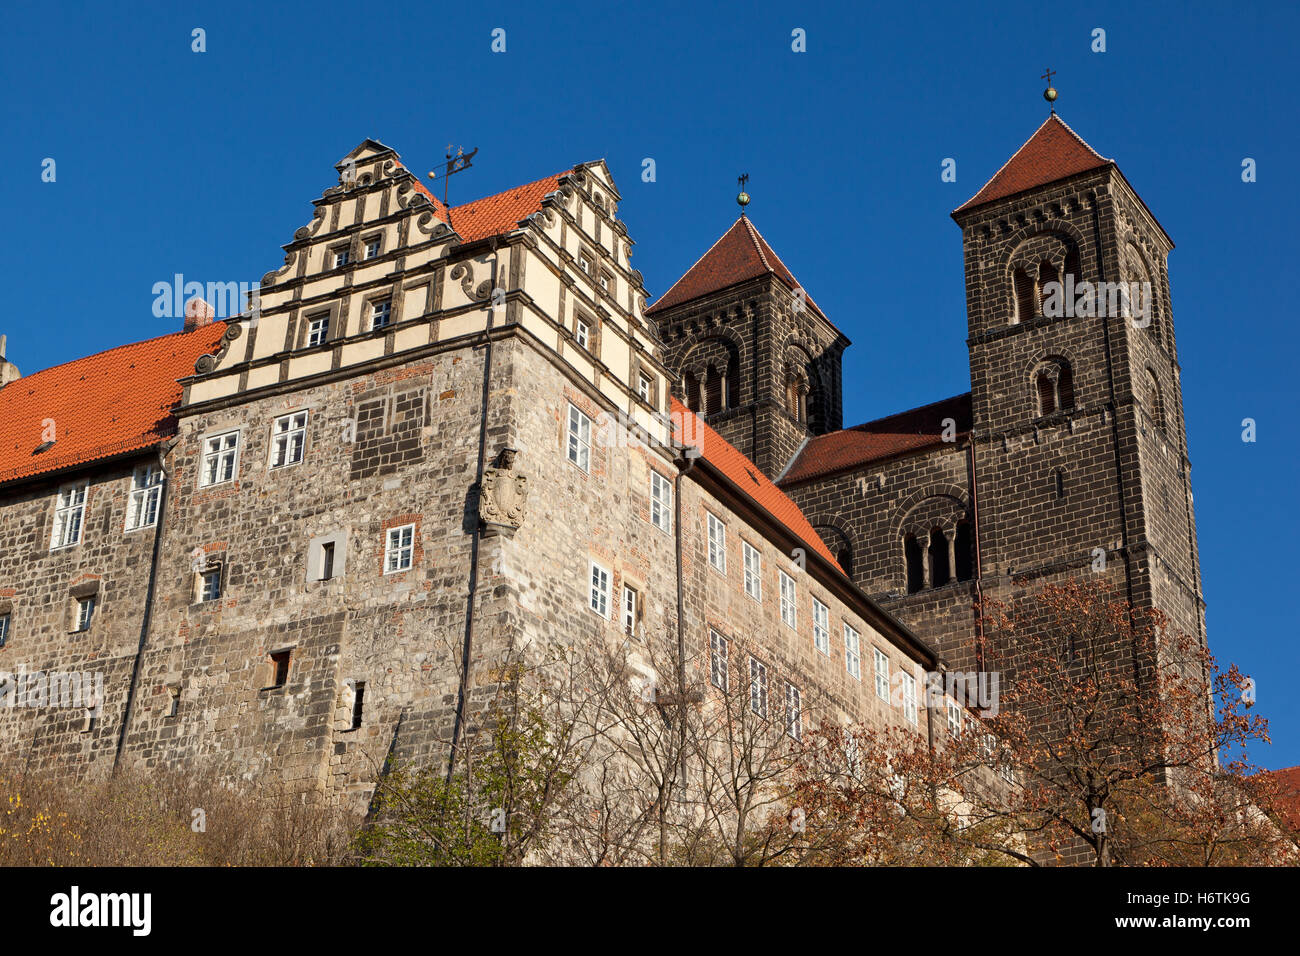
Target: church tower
753	352
1081	463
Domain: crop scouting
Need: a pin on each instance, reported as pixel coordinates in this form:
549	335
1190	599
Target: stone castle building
298	539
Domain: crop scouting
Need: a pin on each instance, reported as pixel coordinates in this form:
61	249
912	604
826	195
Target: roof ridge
1082	142
759	242
906	411
510	189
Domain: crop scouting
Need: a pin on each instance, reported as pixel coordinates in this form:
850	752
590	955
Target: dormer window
342	256
317	327
380	314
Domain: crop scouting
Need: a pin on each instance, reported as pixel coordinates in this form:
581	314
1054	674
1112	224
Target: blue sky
204	164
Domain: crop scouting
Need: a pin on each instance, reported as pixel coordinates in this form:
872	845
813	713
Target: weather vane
455	164
743	198
1049	94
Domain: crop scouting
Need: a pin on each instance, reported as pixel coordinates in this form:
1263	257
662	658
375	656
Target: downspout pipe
685	463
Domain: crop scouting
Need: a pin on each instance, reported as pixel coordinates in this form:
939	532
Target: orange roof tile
885	437
739	255
722	455
102	405
501	213
1054	152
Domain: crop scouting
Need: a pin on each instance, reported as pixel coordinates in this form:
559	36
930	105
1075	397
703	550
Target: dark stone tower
754	353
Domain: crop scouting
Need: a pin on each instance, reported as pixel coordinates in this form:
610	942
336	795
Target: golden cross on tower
1049	94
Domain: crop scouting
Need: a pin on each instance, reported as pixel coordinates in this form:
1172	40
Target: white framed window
758	687
372	247
789	607
146	493
661	502
821	627
582	333
882	674
317	327
605	281
220	459
793	712
399	548
644	386
342	256
4	628
598	599
579	446
85	611
210	584
753	571
909	695
69	515
954	719
718	661
630	598
381	313
852	652
288	438
717	543
584	262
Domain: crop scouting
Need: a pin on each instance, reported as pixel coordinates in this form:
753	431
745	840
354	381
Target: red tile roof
723	456
102	405
1054	152
740	255
494	215
885	437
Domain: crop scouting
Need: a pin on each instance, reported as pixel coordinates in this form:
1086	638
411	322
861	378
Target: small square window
210	584
606	281
280	667
584	262
399	548
288	438
372	247
85	611
317	328
342	256
381	313
220	457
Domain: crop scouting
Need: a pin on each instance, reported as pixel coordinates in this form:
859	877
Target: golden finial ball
1049	94
743	200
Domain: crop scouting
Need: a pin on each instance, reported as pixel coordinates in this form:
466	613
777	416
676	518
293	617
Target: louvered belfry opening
1024	296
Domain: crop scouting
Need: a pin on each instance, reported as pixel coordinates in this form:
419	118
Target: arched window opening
915	567
1024	296
1046	393
714	391
692	392
1064	387
1058	482
963	553
844	557
1073	266
1046	274
796	398
1054	387
939	568
1154	402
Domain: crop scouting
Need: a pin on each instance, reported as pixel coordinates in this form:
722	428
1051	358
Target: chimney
197	314
8	370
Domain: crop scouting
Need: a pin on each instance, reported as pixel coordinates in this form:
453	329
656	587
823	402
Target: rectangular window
909	696
327	561
584	262
789	612
821	627
380	313
582	333
342	256
280	667
399	548
644	386
661	502
606	281
793	711
85	611
598	600
288	437
69	511
954	719
758	687
579	439
718	661
210	587
717	544
852	652
146	493
358	704
173	701
220	457
372	247
317	327
4	629
629	608
882	674
753	572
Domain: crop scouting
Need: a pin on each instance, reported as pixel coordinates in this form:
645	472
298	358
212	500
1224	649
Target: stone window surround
366	240
370	299
638	369
315	555
212	561
78	593
332	329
